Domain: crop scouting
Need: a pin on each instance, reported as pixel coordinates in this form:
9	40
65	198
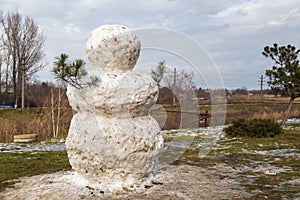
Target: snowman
113	142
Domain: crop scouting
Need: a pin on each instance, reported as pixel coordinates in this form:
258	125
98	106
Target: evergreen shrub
254	128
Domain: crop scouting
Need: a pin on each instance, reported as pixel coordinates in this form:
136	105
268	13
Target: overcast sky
232	32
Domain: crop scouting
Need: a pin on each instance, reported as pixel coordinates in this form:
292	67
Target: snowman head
113	48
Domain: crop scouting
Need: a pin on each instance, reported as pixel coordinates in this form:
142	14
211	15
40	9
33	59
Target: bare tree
184	81
6	73
182	85
22	40
58	112
58	104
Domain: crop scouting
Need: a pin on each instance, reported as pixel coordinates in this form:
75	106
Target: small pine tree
158	74
71	72
284	77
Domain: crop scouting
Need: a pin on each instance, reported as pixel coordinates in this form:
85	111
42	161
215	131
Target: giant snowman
113	142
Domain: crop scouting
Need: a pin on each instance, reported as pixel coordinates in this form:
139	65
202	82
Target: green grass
16	165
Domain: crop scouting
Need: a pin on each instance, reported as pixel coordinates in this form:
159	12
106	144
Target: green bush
255	128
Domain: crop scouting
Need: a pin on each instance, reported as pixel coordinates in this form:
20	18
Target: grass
247	157
17	114
31	121
269	110
16	165
251	154
38	120
250	157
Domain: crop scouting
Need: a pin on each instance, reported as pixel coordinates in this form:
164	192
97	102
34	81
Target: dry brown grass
14	122
243	98
266	115
270	110
29	122
7	130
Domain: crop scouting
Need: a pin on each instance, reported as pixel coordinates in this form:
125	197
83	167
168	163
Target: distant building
166	96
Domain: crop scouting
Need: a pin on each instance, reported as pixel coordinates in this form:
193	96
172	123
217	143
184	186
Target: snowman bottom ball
113	153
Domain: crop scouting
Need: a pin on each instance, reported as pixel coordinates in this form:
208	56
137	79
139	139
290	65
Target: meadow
45	123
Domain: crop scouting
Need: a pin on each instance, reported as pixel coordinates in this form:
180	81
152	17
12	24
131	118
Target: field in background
267	110
39	120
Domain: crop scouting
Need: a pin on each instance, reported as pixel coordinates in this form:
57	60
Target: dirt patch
174	182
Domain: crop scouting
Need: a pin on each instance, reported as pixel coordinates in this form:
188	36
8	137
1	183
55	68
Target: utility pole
0	74
23	82
174	114
174	88
261	83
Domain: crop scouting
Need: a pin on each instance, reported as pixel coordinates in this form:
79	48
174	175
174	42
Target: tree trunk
287	113
0	75
19	85
6	79
14	81
52	113
58	113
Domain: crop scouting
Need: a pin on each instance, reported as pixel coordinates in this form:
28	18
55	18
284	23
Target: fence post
206	116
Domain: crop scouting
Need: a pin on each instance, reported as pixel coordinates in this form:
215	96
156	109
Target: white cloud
233	32
244	29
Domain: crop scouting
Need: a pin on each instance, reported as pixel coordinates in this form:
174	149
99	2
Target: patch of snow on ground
30	147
